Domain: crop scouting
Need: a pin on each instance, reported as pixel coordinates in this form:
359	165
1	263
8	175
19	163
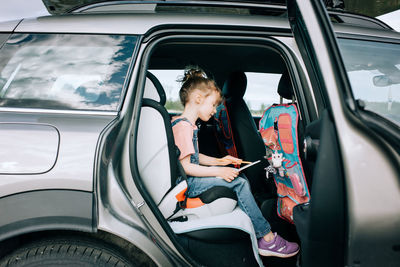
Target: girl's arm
208	161
211	161
226	173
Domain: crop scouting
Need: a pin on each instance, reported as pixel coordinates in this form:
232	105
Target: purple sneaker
278	247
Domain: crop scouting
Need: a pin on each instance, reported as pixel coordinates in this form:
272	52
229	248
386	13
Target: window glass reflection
61	71
374	72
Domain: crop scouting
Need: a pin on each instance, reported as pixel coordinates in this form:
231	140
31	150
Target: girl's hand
229	160
227	173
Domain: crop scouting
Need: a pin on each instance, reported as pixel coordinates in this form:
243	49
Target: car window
64	71
374	72
3	38
261	91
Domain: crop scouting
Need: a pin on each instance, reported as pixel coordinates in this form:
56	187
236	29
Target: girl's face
208	105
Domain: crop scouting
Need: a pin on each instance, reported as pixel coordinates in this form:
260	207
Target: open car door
342	224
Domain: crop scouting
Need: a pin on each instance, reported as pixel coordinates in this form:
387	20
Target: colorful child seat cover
278	128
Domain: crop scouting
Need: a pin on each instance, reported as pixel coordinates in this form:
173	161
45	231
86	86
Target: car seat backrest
278	126
285	88
235	86
249	144
156	154
281	131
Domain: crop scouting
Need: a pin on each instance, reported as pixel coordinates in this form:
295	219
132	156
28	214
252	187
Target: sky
392	19
17	9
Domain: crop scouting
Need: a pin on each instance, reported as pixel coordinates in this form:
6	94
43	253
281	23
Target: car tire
65	252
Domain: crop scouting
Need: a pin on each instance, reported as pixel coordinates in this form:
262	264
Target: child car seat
155	145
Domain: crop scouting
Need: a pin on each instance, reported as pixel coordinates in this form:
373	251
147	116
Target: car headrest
153	89
235	85
285	88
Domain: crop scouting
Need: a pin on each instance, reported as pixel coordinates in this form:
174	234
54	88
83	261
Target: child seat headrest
154	90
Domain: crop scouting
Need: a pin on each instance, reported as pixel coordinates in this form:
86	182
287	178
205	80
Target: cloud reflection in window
61	71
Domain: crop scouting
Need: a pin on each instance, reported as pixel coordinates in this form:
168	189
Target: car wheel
65	252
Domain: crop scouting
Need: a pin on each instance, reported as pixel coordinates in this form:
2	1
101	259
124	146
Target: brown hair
196	78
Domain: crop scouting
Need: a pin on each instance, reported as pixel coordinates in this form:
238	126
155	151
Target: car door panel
320	223
370	179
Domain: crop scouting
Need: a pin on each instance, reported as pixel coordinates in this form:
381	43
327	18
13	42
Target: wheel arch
40	210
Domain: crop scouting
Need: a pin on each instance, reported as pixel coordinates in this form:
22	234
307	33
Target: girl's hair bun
195	78
192	72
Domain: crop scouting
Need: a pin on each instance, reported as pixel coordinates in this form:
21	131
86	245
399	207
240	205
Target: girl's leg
246	200
277	246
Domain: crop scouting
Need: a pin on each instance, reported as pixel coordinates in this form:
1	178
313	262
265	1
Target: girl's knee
242	181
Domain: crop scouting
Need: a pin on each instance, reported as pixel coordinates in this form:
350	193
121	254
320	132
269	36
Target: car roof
140	17
141	23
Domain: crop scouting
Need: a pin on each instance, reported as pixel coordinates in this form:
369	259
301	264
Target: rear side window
64	71
261	91
374	72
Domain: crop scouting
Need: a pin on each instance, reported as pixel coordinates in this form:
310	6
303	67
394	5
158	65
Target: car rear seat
249	144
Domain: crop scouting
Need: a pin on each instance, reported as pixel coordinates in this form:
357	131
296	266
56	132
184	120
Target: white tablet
249	165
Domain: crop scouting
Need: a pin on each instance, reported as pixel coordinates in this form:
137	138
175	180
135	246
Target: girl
200	96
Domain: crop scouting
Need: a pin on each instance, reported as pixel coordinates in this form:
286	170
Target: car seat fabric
285	88
236	219
153	145
248	141
157	161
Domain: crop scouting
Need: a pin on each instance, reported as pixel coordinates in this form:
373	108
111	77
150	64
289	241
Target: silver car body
66	153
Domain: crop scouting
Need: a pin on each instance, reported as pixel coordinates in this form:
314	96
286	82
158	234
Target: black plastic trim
217	192
168	29
337	13
363	37
41	210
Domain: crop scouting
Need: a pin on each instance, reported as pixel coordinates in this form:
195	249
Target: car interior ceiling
219	60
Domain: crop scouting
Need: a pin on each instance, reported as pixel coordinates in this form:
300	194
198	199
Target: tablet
249	165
